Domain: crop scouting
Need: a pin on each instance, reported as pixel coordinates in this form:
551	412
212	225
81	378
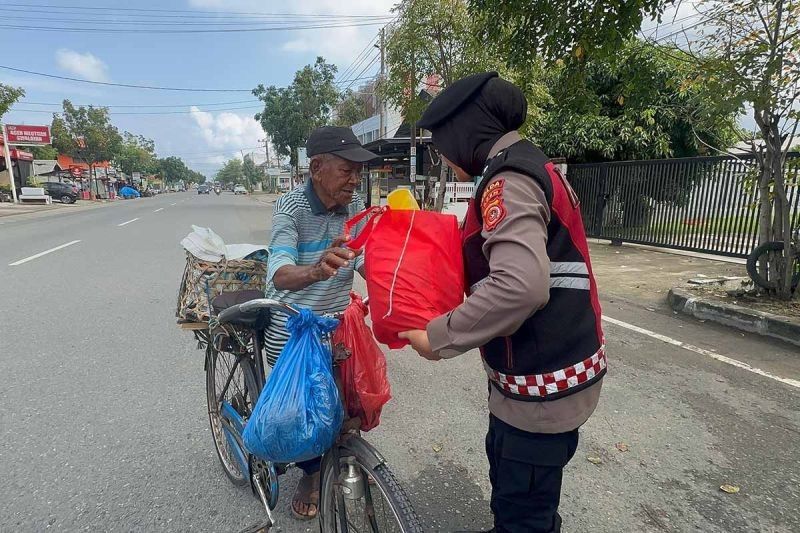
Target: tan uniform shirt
518	285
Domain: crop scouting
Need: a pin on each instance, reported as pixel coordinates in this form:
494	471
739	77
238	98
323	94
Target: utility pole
381	108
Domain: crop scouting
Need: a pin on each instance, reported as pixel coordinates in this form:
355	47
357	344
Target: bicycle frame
233	423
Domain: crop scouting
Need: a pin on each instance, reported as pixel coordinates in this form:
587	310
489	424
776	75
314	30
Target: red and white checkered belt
552	382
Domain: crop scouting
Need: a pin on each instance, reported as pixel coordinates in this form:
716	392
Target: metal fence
703	204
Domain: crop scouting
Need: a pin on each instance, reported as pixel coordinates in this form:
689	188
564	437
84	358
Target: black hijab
466	136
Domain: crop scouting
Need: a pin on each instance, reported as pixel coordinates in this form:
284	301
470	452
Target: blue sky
202	136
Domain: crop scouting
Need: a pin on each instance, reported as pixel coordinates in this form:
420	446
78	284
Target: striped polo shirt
302	228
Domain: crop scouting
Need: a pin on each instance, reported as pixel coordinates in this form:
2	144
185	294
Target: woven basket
202	281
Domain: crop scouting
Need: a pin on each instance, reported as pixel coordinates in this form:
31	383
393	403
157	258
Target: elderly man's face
336	179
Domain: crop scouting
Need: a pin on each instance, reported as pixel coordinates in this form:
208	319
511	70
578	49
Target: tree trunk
442	188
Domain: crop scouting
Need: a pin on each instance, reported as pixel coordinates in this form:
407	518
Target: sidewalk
34	210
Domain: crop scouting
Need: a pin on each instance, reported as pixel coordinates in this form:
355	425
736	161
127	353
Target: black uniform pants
525	470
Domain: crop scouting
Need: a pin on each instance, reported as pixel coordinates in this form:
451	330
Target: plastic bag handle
358	242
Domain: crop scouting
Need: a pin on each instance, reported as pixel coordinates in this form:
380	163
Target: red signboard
28	134
19	155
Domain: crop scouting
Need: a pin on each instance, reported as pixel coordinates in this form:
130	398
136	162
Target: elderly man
308	266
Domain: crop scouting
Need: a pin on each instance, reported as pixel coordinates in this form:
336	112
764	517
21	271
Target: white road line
176	203
159	209
733	362
128	222
31	258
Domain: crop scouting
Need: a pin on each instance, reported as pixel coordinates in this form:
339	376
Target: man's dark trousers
525	470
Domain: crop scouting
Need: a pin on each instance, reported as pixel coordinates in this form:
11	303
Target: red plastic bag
414	268
364	381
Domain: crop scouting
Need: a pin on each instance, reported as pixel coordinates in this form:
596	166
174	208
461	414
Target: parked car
239	190
203	189
66	193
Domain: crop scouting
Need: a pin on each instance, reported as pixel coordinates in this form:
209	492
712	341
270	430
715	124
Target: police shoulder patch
493	211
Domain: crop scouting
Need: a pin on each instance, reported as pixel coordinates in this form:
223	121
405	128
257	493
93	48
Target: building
21	164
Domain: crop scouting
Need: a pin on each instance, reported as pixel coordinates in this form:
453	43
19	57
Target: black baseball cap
339	141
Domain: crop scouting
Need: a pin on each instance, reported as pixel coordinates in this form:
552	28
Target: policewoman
532	306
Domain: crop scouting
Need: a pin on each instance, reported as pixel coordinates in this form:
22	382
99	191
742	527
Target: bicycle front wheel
367	499
229	385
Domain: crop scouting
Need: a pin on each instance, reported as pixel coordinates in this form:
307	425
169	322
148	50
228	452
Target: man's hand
419	341
333	259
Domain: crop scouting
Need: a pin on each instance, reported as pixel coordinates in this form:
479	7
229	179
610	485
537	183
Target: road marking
31	258
128	222
159	209
733	362
176	203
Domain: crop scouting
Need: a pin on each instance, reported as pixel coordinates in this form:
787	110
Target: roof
66	162
45	166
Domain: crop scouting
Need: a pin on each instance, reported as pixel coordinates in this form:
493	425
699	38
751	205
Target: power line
127	85
151	112
178	23
173	31
374	60
364	51
145	105
191	12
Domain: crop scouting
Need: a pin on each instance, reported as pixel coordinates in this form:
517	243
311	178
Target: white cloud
227	131
86	65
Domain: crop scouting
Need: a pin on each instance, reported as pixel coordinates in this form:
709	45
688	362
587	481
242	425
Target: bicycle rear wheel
383	507
229	384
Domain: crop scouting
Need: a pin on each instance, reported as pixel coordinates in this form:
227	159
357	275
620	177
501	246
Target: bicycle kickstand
270	521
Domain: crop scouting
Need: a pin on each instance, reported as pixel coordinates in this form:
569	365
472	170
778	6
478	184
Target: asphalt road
103	422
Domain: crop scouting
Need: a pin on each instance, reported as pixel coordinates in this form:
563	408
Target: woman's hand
419	341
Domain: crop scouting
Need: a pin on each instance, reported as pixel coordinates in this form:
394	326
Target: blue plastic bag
298	414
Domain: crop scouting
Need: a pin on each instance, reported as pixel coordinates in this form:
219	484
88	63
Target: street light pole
7	155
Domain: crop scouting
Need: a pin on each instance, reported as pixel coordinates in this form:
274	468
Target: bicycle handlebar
253	306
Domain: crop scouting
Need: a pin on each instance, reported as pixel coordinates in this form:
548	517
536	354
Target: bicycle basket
203	280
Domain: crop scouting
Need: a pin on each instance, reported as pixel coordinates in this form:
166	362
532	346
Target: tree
136	154
8	96
353	107
231	173
524	30
172	169
44	152
748	56
431	39
634	105
292	113
250	172
86	134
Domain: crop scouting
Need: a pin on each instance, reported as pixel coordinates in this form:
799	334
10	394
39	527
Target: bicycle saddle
226	308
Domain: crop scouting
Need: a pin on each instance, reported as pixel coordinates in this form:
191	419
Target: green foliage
291	113
353	108
232	173
252	175
136	154
172	170
85	133
636	105
8	96
525	30
430	37
44	152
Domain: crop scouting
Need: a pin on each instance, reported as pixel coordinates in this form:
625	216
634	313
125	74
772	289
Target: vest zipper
509	356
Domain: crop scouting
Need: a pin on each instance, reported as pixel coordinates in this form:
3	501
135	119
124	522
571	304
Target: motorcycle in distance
217	190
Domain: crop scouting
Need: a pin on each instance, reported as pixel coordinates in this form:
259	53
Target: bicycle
358	491
765	278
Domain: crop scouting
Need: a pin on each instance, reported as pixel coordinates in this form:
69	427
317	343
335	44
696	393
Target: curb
735	316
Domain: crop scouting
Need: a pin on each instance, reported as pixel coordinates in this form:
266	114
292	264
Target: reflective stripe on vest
541	385
580	279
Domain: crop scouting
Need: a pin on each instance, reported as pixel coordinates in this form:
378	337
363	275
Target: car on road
239	190
203	189
65	193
